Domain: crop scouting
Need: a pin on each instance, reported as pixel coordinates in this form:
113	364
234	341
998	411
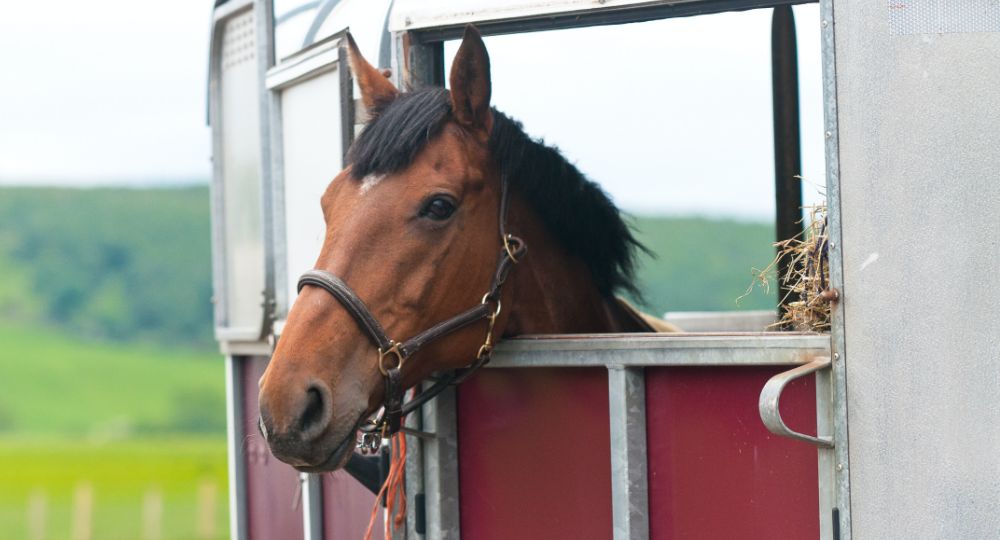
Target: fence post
36	515
83	509
152	515
206	510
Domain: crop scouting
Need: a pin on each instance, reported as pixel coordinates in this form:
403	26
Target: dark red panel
715	472
534	454
273	507
347	506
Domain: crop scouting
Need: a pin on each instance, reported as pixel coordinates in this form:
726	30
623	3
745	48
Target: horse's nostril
314	417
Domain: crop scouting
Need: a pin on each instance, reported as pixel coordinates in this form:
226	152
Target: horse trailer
888	425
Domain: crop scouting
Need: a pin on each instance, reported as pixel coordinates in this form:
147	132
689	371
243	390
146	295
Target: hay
807	278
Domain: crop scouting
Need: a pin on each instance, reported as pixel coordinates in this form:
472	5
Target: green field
129	421
54	383
188	474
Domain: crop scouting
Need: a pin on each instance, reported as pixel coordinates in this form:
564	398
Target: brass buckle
393	349
506	246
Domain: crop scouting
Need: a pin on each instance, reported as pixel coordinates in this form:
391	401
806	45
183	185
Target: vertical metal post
627	416
234	449
414	476
441	467
787	151
841	519
432	465
312	506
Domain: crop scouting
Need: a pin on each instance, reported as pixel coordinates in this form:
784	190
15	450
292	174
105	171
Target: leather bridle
393	410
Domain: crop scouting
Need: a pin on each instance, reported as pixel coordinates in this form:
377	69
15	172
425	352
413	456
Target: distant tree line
118	264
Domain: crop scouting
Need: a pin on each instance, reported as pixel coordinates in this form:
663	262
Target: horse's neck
553	293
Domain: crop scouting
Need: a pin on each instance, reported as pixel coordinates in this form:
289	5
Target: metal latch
770	398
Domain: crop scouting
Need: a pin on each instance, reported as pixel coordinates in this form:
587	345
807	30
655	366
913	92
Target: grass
126	420
120	474
53	383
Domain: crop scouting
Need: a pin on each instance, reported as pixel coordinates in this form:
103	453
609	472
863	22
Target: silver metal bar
414	479
635	350
826	458
312	506
440	467
234	451
770	401
264	19
842	499
629	491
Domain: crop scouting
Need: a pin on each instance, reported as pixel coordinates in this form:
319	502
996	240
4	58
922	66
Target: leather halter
389	422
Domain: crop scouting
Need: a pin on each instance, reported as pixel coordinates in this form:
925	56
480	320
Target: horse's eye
438	209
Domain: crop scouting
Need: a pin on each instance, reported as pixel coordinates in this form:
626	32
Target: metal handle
770	398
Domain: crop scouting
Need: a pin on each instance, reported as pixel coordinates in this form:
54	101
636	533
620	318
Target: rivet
840	467
836	356
829	134
825	23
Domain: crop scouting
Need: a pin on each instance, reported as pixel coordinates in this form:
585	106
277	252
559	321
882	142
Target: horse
416	231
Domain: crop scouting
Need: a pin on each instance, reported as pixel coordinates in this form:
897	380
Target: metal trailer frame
431	477
418	56
848	68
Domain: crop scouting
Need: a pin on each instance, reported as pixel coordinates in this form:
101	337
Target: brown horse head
413	227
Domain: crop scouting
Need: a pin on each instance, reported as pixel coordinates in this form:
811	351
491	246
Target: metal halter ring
393	349
507	238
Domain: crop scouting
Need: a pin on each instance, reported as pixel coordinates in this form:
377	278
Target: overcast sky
670	116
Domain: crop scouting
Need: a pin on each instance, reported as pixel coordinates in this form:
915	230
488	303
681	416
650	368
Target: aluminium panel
312	155
919	202
239	218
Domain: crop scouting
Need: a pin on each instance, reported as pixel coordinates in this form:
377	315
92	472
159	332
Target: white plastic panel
239	122
415	14
312	147
920	205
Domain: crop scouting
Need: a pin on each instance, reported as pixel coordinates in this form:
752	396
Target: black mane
576	211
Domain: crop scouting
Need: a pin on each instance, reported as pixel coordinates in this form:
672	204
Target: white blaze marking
370	181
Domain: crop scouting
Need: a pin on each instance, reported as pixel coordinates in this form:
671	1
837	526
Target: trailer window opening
676	125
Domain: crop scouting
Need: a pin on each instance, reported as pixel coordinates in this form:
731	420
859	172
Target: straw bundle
806	307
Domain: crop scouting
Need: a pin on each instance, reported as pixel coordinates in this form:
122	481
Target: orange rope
393	489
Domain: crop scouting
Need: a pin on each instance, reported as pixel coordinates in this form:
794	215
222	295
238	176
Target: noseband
393	410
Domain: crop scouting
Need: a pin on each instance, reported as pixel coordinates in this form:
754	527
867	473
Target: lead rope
393	490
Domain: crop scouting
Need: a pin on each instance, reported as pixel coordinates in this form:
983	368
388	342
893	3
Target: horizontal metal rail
442	28
645	350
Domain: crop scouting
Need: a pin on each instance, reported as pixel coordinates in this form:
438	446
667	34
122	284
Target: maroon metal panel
715	472
274	508
347	506
534	454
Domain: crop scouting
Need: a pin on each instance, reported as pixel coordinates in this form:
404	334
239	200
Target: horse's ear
470	83
376	90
